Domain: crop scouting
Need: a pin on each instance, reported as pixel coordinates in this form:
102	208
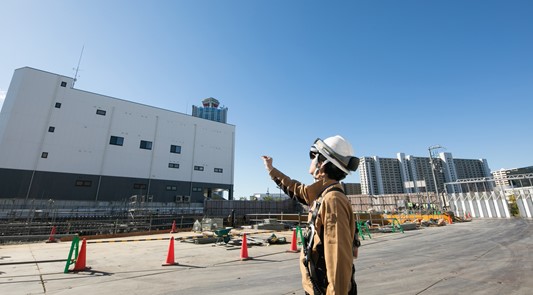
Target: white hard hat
337	151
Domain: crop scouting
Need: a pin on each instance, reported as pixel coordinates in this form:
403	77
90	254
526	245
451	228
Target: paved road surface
481	257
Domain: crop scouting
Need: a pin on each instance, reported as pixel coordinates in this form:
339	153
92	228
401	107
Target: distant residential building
510	177
352	188
269	196
210	110
409	174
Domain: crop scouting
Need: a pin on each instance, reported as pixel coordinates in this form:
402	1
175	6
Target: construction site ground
491	256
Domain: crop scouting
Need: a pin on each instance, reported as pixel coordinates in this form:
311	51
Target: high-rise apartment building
408	174
210	110
513	177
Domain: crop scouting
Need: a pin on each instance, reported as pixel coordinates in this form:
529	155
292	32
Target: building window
116	140
174	165
172	188
139	186
63	84
44	155
86	183
199	168
146	145
197	189
176	149
100	112
58	105
218	170
51	129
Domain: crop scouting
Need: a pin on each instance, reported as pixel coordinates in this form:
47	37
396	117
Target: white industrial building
62	143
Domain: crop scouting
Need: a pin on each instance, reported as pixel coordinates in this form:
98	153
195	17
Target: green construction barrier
299	235
396	224
363	230
74	249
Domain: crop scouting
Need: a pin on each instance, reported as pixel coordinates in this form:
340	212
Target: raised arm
292	188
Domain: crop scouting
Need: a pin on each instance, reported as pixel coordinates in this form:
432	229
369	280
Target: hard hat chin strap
318	166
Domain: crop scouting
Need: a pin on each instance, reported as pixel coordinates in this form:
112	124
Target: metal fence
20	218
222	208
414	202
88	226
51	210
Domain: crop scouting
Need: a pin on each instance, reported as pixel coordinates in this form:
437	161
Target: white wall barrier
492	204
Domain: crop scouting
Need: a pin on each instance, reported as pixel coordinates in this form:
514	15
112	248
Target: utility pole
430	149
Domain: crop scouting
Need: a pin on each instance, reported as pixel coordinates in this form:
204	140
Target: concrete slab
480	257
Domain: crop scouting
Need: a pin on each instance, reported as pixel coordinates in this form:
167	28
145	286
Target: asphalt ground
478	257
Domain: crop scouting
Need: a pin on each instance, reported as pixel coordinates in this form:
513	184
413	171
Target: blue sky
390	76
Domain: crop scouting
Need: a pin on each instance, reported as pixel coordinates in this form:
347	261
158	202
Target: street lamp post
434	147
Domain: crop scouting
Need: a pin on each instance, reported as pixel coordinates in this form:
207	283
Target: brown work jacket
335	222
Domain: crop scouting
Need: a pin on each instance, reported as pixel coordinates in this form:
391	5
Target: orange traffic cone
52	239
80	261
170	255
244	248
173	230
294	245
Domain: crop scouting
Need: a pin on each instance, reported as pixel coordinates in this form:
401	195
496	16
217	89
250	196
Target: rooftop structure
211	111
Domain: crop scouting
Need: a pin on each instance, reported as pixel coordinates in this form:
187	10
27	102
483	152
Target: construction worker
331	243
231	219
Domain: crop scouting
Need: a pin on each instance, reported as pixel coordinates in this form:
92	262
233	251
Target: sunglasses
312	155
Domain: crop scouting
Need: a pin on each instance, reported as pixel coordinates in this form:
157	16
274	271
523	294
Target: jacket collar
317	188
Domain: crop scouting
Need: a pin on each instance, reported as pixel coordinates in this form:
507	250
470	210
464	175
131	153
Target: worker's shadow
91	272
186	265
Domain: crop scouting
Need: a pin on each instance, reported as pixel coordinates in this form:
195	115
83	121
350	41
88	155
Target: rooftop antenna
78	67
